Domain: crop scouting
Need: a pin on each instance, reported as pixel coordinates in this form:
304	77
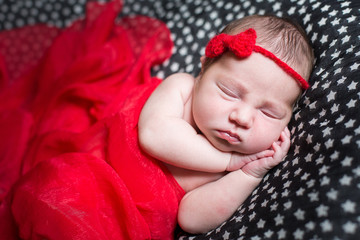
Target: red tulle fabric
70	164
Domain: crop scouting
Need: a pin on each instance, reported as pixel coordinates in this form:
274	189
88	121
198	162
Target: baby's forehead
256	71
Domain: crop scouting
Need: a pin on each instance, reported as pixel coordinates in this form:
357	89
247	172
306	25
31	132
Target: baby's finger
287	132
266	153
279	154
285	142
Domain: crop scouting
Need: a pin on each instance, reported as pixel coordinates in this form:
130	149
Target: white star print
324	39
256	238
322	113
335	155
297	172
326	226
300	214
302	10
351	19
300	192
346	139
313	105
243	230
298	234
309	139
346	11
291	10
338	70
322	210
332	194
271	190
274	195
274	207
276	6
261	223
345	39
334	108
352	86
349	227
325	181
333	12
345	4
350	123
350	49
342	30
239	218
287	184
310	183
331	96
356	171
281	234
355	66
345	180
340	119
305	176
329	143
347	162
279	220
351	103
268	233
310	225
325	8
324	170
264	203
309	27
308	157
316	5
251	206
314	196
349	206
226	235
313	121
320	160
285	175
335	55
288	204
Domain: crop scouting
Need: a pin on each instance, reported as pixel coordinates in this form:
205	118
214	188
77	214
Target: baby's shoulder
181	78
182	82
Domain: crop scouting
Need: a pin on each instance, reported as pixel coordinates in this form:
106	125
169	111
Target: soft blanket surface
70	164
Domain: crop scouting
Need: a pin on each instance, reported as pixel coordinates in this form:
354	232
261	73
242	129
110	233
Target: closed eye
272	114
228	91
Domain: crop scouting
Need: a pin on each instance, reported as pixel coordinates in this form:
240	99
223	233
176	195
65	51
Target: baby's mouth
229	137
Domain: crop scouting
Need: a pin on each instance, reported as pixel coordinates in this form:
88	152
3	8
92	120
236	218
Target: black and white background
315	192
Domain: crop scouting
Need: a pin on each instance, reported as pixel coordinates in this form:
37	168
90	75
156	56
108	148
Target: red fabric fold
70	163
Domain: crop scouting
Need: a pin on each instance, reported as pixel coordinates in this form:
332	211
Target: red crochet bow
242	45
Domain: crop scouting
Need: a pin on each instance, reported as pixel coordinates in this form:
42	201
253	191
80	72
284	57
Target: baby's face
243	105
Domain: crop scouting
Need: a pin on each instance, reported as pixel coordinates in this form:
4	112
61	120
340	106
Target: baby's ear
202	60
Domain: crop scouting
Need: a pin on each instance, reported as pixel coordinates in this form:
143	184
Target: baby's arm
166	135
209	205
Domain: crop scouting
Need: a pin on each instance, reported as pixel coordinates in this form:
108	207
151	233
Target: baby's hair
281	36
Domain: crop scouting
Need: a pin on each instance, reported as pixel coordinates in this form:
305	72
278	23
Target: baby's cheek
265	137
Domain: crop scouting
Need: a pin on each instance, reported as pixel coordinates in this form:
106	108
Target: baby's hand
239	160
280	148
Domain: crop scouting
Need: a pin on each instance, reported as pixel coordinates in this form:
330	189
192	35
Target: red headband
242	45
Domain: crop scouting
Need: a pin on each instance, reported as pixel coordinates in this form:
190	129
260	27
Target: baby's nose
243	116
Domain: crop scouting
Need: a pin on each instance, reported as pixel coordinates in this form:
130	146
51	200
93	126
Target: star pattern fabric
315	192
